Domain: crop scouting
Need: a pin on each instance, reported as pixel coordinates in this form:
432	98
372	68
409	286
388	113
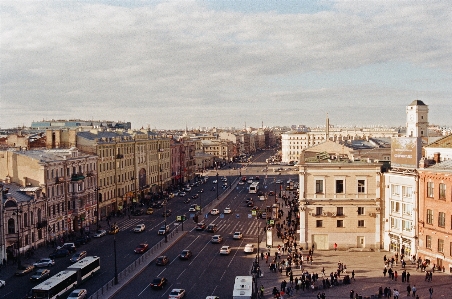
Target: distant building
78	123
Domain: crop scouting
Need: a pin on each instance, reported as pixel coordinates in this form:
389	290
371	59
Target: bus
65	281
254	187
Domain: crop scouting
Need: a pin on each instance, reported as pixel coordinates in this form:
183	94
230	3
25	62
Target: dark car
69	246
138	212
156	205
24	269
211	228
40	274
250	204
185	254
62	252
142	248
166	213
195	196
159	283
162	260
78	256
200	226
82	240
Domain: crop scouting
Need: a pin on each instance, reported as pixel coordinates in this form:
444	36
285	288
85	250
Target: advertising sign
406	151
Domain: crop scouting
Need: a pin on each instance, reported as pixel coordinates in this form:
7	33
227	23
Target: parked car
225	250
78	294
138	212
249	248
142	248
44	263
237	236
78	256
216	239
62	252
185	254
40	274
212	228
139	228
100	233
159	283
24	269
162	260
176	294
150	211
69	246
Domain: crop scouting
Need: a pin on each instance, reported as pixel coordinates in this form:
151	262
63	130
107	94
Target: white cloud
166	63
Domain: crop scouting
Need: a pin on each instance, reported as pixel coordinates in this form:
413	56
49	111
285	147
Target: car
164	229
78	294
62	252
187	189
162	260
24	269
251	178
278	182
224	186
100	233
225	250
248	200
82	240
157	205
150	211
193	208
69	246
187	200
227	210
214	181
40	274
241	183
2	283
44	263
139	228
185	254
138	212
237	236
250	204
216	239
212	228
175	193
201	190
196	196
114	229
176	294
255	209
256	178
249	248
182	194
166	213
214	212
78	256
264	215
142	248
159	283
212	297
200	226
271	193
224	179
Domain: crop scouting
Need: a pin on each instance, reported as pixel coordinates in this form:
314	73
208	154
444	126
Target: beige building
339	202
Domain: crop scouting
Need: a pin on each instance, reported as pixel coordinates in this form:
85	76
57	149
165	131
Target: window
339	186
406	225
340	223
442	191
318	186
318	223
407	209
361	186
440	245
395	223
442	219
318	211
11	226
340	211
360	210
428	242
360	223
395	189
407	191
429	216
395	207
430	189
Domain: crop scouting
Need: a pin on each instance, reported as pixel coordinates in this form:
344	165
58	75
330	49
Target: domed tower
417	119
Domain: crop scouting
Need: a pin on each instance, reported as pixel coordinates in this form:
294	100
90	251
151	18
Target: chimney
436	157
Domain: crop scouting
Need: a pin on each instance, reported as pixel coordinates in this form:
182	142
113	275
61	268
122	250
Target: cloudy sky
171	64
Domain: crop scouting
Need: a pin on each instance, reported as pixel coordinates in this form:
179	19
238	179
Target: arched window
25	219
11	226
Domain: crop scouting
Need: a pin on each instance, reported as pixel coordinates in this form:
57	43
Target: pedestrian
335	246
408	277
352	293
262	291
353	274
262	255
430	290
408	290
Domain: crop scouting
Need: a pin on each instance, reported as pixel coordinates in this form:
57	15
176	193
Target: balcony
59	180
77	177
90	173
119	156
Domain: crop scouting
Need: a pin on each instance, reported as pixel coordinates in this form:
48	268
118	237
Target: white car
2	283
100	233
44	263
214	181
139	228
225	250
241	183
78	294
176	294
237	236
214	212
227	210
249	248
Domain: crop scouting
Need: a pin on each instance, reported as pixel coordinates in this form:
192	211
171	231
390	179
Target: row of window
431	190
339	211
405	225
405	208
59	172
441	218
339	223
440	245
339	186
407	191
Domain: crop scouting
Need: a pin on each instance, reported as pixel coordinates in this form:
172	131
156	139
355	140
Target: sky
178	64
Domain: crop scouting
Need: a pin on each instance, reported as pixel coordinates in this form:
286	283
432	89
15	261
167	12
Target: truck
243	287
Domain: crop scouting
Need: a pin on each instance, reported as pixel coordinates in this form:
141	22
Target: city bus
65	281
254	187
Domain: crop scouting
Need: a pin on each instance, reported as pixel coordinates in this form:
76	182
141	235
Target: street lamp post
116	265
97	207
166	237
217	184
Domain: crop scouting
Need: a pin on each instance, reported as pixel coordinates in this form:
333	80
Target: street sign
253	213
221	215
237	216
250	216
178	218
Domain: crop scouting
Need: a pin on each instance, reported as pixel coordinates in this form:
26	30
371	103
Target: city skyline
171	65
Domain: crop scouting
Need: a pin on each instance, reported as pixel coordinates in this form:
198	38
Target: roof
442	166
18	193
417	103
445	142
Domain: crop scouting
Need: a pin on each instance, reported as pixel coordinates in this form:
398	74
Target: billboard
406	151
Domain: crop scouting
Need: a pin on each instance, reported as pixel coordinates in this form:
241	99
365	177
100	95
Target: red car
142	248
